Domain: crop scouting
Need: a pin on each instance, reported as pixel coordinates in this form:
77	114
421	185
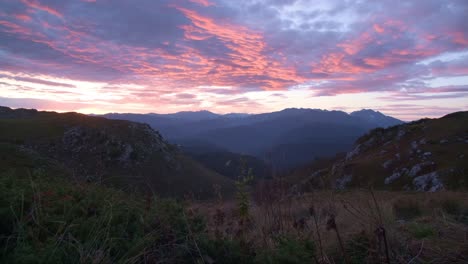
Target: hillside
425	155
286	138
119	153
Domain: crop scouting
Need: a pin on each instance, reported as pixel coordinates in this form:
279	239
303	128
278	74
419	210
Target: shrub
420	230
242	186
288	250
357	248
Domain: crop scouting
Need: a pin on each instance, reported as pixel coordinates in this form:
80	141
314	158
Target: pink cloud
35	4
205	3
378	28
233	47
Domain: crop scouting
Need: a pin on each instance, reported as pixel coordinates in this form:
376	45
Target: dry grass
398	226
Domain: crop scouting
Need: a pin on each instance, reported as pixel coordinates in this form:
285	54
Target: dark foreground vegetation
45	219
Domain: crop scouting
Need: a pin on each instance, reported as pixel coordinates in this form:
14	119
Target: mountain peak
193	115
366	111
376	117
196	112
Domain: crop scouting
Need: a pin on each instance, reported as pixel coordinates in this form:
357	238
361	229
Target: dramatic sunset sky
408	59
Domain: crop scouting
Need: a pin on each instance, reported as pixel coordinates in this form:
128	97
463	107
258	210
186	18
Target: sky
408	59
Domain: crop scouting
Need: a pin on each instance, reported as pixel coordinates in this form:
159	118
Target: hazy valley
283	139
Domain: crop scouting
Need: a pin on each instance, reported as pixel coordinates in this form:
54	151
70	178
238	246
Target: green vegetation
48	220
358	248
45	219
421	230
242	184
289	250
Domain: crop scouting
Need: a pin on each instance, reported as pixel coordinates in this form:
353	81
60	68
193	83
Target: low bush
288	250
421	230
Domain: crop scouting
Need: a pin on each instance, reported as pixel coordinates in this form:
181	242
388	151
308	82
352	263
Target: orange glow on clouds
205	55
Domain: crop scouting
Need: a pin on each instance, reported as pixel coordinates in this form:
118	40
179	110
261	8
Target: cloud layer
169	55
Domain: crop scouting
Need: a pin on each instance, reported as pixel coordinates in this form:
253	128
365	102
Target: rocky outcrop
416	169
410	156
395	176
428	182
342	183
353	153
109	146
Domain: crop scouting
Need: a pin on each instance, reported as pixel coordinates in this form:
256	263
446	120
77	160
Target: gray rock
342	182
401	222
125	156
428	182
315	174
387	164
443	141
337	167
353	153
401	133
395	176
418	168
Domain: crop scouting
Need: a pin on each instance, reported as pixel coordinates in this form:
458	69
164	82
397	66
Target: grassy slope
445	138
43	132
450	158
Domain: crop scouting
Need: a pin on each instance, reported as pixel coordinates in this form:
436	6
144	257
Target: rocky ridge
425	155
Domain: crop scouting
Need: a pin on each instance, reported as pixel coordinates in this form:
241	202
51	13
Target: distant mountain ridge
285	138
376	117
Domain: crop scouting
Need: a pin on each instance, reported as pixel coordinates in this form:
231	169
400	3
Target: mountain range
283	139
424	155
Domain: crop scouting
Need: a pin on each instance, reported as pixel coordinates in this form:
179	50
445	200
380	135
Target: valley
283	139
